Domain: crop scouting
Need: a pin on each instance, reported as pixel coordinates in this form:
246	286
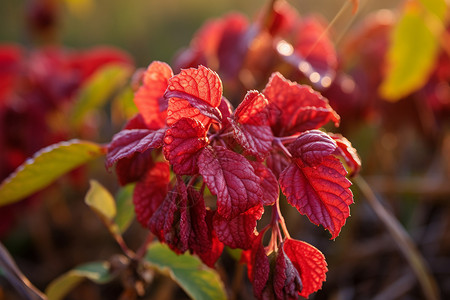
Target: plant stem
403	241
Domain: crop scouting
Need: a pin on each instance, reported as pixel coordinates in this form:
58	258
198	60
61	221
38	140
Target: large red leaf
251	125
269	183
231	177
238	232
320	192
294	108
194	93
310	264
286	279
149	98
127	142
150	192
312	147
182	144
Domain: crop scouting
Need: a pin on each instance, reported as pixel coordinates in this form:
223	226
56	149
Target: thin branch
403	241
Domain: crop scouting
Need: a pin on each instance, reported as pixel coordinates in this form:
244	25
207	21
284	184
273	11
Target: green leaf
101	201
125	207
197	280
411	56
98	272
100	87
46	166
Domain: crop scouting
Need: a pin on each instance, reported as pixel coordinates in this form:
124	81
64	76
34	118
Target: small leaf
310	264
150	192
197	280
269	183
98	272
411	56
251	125
125	212
346	151
150	96
231	177
312	147
129	141
320	192
286	279
46	166
238	232
183	143
99	89
101	201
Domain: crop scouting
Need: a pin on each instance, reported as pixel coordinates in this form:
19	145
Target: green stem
403	241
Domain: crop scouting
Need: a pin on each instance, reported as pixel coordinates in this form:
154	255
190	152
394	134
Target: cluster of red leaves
34	86
228	164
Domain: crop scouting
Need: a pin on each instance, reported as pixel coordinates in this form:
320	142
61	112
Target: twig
16	277
403	241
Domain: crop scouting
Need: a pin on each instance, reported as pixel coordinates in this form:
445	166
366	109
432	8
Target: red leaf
238	232
225	109
136	122
312	147
277	163
149	98
200	241
310	264
133	168
210	257
230	176
194	93
251	125
294	108
269	183
258	266
321	192
170	222
127	142
182	144
348	153
10	57
286	279
150	192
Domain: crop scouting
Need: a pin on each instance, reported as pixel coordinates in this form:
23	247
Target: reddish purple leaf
348	153
133	168
127	142
194	93
286	279
210	257
251	125
269	183
231	177
225	109
312	147
238	232
310	264
150	192
136	122
182	144
170	222
320	192
294	108
149	97
200	240
277	163
258	267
